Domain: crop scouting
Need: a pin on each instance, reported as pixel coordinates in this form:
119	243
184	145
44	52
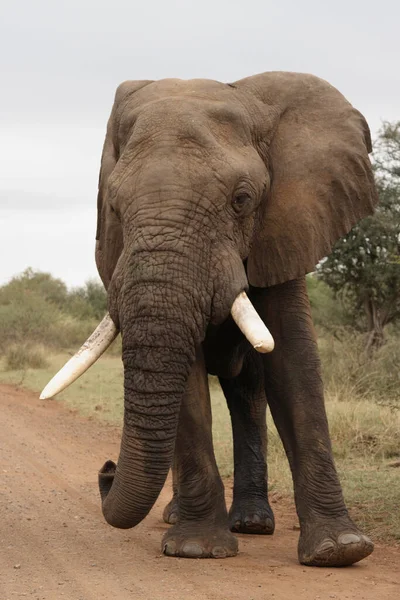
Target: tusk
251	325
92	349
243	313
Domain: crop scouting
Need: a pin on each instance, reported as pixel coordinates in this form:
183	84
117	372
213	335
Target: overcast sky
62	60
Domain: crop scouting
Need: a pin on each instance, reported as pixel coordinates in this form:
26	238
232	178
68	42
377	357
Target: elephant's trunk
163	309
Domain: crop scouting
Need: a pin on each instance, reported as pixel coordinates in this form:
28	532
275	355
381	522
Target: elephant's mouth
242	311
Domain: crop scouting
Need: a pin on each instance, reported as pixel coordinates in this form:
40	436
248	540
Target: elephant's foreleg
250	511
295	395
201	530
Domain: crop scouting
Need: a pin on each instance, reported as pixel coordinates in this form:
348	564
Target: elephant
209	191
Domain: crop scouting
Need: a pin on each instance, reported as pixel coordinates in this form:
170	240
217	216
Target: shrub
36	307
52	290
69	333
23	356
25	315
88	301
327	312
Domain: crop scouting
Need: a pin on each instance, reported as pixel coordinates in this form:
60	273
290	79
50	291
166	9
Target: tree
50	288
387	152
364	267
88	301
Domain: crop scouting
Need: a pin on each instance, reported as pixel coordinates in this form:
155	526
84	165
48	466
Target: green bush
23	356
327	312
25	316
88	302
38	308
50	289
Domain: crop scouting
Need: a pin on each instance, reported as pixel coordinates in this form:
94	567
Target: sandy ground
55	545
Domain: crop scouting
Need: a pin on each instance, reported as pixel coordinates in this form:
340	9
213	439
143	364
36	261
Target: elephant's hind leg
171	510
201	530
250	511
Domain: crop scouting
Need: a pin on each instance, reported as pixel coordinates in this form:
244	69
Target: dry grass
349	373
363	428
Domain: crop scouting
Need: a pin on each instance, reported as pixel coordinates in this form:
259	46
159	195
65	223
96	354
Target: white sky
62	60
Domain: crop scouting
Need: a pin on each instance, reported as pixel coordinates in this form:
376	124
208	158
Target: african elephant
207	190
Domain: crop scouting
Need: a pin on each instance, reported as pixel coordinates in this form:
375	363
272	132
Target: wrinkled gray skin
207	189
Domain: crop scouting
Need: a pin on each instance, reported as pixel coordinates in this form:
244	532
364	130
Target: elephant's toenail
218	552
252	521
192	549
349	538
327	547
169	548
173	517
237	525
367	540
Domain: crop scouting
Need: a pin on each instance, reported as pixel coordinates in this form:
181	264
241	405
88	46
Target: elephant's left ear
321	176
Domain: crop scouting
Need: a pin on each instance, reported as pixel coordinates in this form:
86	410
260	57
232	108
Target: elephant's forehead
163	88
200	120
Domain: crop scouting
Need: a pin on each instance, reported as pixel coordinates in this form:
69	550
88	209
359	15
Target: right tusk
104	334
251	325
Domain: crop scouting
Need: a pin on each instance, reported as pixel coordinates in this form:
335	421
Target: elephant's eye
115	213
242	203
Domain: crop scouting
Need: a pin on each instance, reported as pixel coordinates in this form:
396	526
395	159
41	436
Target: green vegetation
38	308
364	267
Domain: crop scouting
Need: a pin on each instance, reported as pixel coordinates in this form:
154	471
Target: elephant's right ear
109	242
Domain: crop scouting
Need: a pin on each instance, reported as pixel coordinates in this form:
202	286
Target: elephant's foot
333	543
199	541
252	515
171	511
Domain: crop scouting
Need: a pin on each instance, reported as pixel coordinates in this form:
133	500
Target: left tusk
104	334
251	325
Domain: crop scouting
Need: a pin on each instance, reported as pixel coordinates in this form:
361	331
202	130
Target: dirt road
55	545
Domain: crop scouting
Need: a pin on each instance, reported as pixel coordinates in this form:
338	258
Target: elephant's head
204	189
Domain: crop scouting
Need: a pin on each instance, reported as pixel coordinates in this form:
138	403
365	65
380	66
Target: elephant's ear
109	241
321	176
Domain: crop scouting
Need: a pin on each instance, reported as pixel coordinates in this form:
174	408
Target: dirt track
55	545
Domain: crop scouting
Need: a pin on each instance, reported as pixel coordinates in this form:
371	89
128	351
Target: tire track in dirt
54	543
